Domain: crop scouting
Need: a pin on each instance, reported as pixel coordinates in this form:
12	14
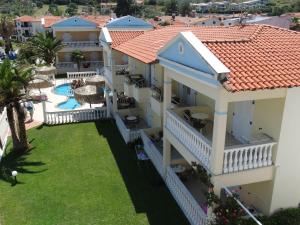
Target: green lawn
83	174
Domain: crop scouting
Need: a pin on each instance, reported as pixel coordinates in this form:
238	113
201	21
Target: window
180	48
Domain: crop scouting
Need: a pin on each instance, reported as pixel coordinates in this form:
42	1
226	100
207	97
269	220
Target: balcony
130	82
64	67
189	195
129	129
153	146
156	100
71	45
116	76
238	156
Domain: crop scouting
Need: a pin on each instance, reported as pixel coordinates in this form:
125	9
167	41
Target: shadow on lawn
15	161
147	191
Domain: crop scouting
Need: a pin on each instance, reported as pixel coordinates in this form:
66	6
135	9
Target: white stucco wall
286	190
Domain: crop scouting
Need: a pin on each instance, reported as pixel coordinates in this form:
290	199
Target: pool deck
53	100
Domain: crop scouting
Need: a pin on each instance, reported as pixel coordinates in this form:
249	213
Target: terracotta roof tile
258	56
100	20
50	20
119	37
26	19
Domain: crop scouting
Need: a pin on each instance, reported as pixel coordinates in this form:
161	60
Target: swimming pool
71	103
63	89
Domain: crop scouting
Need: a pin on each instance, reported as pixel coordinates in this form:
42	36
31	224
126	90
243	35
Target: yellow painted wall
267	117
78	36
119	58
137	67
258	194
203	100
159	75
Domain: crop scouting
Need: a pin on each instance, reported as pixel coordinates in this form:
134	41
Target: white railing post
195	142
247	157
185	200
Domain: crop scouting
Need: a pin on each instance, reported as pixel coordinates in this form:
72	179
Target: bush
289	216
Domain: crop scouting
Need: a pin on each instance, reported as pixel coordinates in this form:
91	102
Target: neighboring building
116	64
223	6
223	97
80	33
28	26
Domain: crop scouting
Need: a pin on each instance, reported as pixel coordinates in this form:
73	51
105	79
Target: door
242	120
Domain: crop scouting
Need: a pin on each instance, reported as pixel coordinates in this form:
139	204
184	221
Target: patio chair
141	155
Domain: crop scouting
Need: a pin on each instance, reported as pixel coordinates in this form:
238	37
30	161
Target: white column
166	105
44	111
219	135
107	102
115	101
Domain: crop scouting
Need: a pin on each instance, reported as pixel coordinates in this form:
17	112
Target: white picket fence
75	116
79	75
4	131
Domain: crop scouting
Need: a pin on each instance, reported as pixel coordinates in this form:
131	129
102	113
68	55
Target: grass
83	174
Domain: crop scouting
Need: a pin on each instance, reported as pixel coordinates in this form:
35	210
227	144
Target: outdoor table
199	116
178	168
131	118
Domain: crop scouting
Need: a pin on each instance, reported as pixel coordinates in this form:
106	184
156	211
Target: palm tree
77	57
13	83
46	47
7	28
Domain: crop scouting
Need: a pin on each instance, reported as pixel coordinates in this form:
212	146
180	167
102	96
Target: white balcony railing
75	116
79	75
185	200
80	44
247	157
199	146
127	134
84	64
141	94
153	153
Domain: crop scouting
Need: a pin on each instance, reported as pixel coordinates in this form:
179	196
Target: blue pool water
64	89
71	103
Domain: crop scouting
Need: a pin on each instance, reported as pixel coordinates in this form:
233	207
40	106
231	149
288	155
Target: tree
171	6
27	53
13	83
185	8
77	57
46	47
54	10
72	9
124	8
7	28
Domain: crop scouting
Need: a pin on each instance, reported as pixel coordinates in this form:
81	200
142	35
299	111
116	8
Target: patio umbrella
46	70
96	80
40	82
90	94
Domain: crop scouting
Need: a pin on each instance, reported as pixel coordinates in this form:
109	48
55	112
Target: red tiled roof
119	37
100	20
27	19
258	56
50	20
